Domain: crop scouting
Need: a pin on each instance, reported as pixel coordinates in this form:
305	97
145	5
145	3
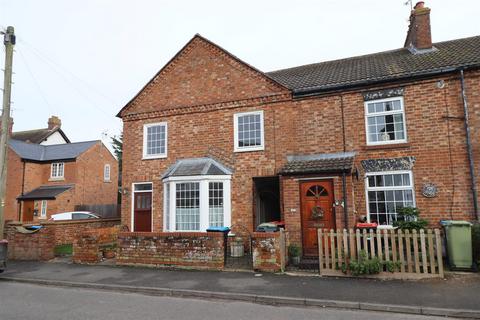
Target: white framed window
155	137
57	170
196	203
106	172
386	192
248	131
43	210
385	121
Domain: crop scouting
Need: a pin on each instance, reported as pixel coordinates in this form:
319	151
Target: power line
47	58
91	102
35	81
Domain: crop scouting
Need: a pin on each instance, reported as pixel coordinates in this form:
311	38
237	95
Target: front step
308	263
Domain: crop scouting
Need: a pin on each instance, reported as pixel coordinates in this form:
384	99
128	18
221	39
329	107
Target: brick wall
199	250
91	246
30	246
67	231
40	245
14	185
269	251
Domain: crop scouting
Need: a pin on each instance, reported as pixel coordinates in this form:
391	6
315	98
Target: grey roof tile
319	163
45	192
382	66
36	152
196	167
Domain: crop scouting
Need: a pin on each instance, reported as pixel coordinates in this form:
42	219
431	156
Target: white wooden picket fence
415	254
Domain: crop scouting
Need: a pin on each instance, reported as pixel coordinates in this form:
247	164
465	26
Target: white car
75	215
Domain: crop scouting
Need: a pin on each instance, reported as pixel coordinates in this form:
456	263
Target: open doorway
267	199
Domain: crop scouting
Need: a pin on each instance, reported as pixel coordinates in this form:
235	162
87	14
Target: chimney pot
54	122
419	5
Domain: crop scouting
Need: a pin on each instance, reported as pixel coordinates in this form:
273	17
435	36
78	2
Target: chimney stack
54	122
419	36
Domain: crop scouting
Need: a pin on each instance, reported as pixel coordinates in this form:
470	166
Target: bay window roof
197	167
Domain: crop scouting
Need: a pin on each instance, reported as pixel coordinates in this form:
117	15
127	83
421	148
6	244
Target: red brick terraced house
47	174
212	141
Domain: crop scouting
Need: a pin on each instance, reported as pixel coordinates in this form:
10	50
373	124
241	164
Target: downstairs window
196	203
387	192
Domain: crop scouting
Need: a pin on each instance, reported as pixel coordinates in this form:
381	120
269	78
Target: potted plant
294	254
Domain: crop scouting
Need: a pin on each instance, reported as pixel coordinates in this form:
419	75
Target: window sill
399	145
249	149
107	181
154	157
57	179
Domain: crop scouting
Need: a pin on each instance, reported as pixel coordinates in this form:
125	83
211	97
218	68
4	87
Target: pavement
456	296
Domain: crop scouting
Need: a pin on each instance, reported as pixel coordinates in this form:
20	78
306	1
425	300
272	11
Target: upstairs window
155	140
248	130
106	172
385	121
57	170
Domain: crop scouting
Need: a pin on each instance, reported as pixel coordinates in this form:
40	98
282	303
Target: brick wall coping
265	234
172	234
19	223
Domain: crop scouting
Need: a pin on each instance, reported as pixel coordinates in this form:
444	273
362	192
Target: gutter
469	146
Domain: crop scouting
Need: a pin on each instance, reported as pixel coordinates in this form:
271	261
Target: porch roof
196	167
45	192
319	163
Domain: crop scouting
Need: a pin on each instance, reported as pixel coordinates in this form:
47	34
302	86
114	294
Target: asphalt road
25	302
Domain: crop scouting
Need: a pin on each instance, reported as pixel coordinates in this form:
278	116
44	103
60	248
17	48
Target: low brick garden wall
41	244
30	246
268	251
67	231
91	246
198	250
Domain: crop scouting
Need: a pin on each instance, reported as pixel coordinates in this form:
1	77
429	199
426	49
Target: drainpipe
345	205
344	177
469	146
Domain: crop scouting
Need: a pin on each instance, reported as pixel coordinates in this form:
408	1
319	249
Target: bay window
195	203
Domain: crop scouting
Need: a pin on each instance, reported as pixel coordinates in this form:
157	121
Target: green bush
63	250
294	250
408	218
364	265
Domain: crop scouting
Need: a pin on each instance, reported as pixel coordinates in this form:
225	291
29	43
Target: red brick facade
202	88
85	173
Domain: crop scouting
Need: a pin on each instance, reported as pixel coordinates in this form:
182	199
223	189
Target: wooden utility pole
9	42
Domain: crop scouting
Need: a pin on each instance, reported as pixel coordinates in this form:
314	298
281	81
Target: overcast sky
83	60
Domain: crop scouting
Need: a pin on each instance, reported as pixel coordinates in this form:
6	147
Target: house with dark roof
53	134
44	178
212	141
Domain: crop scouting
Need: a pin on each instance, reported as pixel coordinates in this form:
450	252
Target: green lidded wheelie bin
459	243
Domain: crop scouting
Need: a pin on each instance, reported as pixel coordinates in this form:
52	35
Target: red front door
142	212
317	212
